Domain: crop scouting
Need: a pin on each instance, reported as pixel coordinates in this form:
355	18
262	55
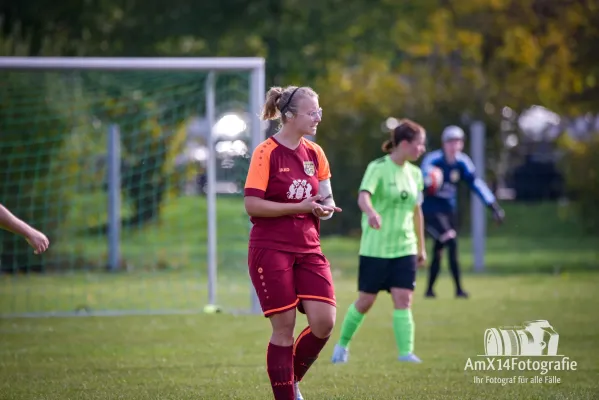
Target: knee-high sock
279	365
352	321
403	328
305	351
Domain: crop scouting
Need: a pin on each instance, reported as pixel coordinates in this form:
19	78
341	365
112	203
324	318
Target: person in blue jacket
440	208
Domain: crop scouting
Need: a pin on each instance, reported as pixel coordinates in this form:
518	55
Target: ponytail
387	146
271	109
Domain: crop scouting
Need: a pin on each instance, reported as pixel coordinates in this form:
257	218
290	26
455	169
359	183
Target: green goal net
55	165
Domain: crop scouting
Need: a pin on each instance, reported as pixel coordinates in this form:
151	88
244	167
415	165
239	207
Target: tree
33	132
435	61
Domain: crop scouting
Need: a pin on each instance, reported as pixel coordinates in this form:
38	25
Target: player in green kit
392	245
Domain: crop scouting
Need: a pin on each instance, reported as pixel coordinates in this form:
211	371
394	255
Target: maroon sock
279	365
305	351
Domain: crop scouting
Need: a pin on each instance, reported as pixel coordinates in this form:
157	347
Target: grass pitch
222	356
165	261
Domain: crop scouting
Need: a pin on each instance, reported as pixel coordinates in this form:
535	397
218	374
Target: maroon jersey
280	174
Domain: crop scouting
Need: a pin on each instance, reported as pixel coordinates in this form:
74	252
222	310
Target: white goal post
254	65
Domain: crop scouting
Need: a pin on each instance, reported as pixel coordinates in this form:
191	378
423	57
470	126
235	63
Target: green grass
543	237
166	260
199	356
222	356
539	237
177	240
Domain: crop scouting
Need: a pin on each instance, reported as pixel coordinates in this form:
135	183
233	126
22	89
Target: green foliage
355	102
153	133
580	166
38	132
32	162
442	62
430	60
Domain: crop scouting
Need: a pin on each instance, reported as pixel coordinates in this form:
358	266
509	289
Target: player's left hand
421	258
324	211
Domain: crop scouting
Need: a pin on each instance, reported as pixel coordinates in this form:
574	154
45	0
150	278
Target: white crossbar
134	63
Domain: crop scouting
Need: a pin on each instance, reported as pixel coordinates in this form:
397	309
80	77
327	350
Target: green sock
403	327
352	321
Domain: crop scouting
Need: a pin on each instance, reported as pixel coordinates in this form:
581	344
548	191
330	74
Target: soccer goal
134	167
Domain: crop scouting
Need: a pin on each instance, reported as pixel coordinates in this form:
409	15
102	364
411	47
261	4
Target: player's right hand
374	220
498	213
38	241
421	258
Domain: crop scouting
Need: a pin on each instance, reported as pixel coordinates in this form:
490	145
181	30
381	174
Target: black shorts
376	274
439	224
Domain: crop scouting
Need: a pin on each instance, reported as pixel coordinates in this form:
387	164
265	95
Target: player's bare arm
365	204
35	238
419	227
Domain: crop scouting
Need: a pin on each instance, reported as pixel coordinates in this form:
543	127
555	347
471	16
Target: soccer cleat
340	354
410	358
461	294
298	395
430	294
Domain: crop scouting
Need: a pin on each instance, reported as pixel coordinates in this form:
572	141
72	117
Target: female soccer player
287	193
35	238
392	244
440	207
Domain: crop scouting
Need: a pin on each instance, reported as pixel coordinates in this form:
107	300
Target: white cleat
410	358
340	355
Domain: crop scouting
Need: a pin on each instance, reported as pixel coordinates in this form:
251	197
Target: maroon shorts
282	279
